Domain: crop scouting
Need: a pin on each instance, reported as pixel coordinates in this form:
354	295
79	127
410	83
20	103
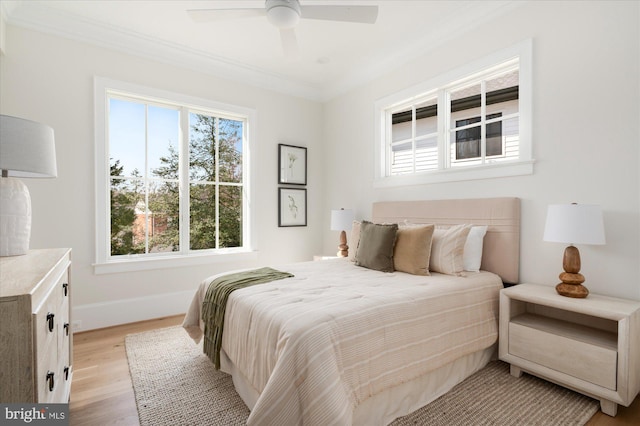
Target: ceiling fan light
283	17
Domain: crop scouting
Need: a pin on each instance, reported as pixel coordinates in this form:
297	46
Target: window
172	175
471	123
469	140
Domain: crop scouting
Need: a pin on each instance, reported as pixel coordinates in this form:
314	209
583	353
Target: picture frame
292	207
292	165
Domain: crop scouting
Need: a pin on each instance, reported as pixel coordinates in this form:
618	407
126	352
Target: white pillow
472	256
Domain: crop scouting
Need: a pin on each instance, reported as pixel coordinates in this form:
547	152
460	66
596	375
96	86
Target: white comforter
317	345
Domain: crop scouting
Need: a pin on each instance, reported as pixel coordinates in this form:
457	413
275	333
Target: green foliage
124	197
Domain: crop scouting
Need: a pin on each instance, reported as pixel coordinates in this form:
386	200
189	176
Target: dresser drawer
565	355
63	322
47	377
65	368
46	323
46	327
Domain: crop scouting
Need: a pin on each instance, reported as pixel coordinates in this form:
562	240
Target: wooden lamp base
577	291
343	248
572	279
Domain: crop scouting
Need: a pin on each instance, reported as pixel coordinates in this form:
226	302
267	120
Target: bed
339	343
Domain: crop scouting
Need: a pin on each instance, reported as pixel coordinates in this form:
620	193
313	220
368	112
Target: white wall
586	134
50	79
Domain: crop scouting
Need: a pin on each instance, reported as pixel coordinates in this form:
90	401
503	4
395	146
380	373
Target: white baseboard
107	314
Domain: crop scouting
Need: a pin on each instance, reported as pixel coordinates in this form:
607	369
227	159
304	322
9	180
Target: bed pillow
375	248
447	249
472	257
413	248
354	240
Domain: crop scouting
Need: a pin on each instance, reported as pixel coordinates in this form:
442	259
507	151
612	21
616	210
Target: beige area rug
176	384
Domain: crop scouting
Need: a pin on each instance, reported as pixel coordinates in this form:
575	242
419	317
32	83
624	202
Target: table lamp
27	149
341	220
573	224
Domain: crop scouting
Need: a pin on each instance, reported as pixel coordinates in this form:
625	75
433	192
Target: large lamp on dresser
27	150
573	224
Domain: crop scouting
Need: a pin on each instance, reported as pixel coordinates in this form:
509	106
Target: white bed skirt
383	408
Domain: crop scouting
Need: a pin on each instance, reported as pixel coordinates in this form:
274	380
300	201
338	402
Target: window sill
136	263
490	171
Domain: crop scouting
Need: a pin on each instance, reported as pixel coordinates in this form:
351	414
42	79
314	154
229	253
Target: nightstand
589	345
321	257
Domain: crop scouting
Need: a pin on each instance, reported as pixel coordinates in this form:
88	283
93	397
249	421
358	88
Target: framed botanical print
292	207
292	164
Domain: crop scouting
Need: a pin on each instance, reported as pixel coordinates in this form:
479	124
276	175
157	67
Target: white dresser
35	327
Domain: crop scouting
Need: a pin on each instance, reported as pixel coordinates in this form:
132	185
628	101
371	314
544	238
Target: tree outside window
146	177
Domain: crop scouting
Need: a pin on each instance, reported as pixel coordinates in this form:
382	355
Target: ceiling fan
285	15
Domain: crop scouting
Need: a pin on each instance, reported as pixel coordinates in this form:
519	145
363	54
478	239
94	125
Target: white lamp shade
27	148
574	224
341	220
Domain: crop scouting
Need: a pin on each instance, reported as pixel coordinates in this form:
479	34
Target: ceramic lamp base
15	217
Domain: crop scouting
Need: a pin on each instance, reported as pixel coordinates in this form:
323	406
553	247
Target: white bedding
337	335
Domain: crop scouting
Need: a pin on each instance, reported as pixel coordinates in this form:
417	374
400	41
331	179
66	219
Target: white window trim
104	263
523	166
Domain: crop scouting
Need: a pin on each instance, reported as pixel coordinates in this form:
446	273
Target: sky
127	134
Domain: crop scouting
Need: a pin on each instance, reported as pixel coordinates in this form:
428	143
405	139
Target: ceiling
334	56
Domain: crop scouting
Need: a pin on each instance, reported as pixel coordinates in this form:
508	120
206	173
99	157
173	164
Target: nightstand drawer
584	360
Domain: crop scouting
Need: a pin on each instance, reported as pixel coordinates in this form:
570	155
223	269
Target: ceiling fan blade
358	14
289	42
212	15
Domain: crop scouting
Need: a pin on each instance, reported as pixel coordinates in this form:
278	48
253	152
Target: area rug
176	384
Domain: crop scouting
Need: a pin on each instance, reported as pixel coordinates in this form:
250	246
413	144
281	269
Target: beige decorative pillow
354	240
375	248
413	248
447	249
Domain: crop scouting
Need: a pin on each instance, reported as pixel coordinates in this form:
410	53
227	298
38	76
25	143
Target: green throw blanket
215	303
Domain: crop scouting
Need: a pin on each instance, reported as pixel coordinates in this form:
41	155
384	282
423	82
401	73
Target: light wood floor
101	392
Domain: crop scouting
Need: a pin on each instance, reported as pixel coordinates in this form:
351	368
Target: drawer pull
50	321
66	373
66	328
65	288
50	380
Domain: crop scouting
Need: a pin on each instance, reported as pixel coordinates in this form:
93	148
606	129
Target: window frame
440	85
106	263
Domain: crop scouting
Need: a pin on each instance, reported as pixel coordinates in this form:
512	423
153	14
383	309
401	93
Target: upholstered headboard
501	252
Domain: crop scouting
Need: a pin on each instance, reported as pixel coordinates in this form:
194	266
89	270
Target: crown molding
39	17
476	14
59	23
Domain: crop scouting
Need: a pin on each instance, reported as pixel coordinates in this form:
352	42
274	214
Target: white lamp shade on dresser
27	149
